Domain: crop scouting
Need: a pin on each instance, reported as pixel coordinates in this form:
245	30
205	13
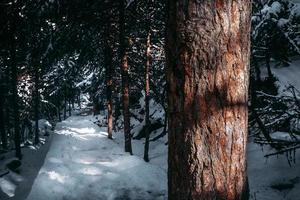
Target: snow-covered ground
286	75
16	186
83	164
273	178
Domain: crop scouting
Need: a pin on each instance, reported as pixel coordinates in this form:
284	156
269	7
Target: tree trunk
257	71
65	101
125	78
109	87
14	82
58	100
208	67
70	109
147	97
78	100
2	123
36	106
268	65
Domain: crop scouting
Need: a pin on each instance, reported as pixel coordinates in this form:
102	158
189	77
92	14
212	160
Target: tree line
191	57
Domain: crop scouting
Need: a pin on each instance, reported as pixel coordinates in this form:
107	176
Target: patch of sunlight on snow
56	176
83	130
32	147
108	164
81	133
7	187
71	133
84	161
103	133
93	171
64	132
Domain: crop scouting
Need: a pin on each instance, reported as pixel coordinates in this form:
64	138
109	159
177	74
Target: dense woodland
199	73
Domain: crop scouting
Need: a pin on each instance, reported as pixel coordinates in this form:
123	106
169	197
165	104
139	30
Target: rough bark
125	78
147	96
207	59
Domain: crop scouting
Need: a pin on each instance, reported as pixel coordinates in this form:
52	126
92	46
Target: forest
149	99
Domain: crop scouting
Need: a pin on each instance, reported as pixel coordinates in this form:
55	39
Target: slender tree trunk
257	71
147	96
73	102
70	109
14	83
7	121
65	102
58	112
109	88
36	106
117	113
78	99
208	67
125	78
268	65
2	123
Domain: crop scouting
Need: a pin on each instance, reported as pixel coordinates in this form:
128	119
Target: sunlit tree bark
208	58
125	78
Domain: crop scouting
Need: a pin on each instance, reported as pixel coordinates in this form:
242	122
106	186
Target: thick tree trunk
208	58
147	96
125	78
36	106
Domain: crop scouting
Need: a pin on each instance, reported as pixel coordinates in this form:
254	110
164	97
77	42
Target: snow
267	177
282	22
7	187
284	136
274	9
83	164
286	75
17	186
264	173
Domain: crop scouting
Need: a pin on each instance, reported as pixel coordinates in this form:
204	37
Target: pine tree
208	51
125	77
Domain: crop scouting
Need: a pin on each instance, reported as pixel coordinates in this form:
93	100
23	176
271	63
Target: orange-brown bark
125	78
147	96
208	58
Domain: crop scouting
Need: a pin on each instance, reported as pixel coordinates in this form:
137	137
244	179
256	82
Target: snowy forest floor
83	164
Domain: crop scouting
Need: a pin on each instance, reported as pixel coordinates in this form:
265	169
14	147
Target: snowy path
83	164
